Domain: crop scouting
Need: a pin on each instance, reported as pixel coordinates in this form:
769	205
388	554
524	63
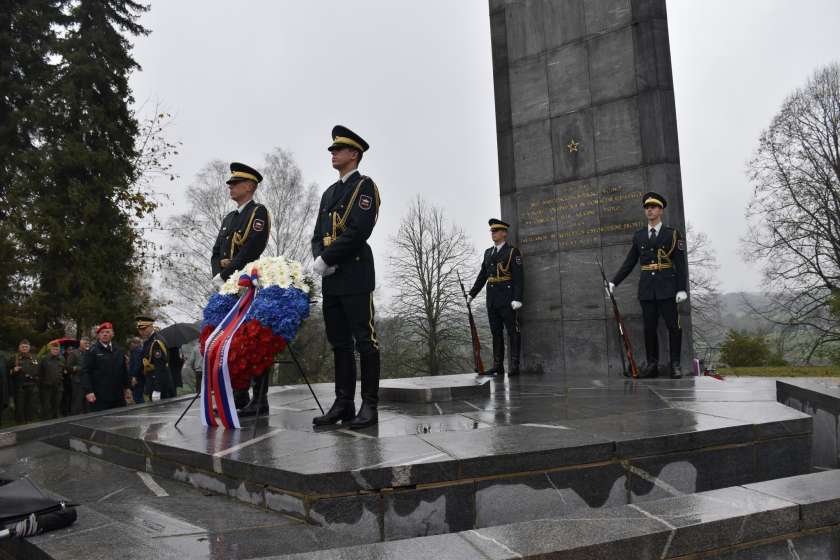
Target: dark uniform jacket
104	373
242	239
74	364
664	270
346	217
502	272
5	389
156	364
51	370
29	369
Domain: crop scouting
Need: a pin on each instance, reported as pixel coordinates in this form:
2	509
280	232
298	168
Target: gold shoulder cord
239	240
339	224
664	257
503	270
162	346
147	360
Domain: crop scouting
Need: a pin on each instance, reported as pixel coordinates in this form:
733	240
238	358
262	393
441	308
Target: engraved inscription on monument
585	217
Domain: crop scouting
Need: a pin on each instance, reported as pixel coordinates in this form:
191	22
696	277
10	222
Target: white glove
515	305
320	266
469	299
681	296
331	270
610	288
217	281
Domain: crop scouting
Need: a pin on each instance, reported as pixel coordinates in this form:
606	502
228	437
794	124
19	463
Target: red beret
105	325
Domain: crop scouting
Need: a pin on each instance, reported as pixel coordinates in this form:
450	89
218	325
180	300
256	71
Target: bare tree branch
427	252
795	210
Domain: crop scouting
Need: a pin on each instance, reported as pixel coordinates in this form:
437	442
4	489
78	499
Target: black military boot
675	344
515	349
241	398
676	370
259	402
343	408
650	371
498	356
368	414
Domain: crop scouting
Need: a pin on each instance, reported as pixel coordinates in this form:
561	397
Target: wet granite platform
525	450
437	388
794	518
820	399
129	515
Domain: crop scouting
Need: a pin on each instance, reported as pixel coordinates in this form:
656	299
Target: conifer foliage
69	181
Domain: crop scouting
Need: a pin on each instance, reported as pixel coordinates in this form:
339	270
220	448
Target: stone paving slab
435	388
732	523
122	516
820	399
818	495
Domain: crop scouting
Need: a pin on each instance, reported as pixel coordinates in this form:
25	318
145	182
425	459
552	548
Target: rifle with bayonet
476	344
622	332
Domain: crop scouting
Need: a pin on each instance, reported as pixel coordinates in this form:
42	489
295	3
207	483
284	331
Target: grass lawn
787	371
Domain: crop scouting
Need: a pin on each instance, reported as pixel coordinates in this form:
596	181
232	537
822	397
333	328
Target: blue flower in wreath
280	309
217	308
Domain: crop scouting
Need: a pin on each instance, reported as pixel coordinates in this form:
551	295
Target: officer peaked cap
242	172
654	198
498	224
343	137
144	321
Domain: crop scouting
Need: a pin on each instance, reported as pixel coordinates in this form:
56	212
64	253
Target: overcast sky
415	80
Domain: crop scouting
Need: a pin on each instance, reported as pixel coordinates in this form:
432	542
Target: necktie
652	235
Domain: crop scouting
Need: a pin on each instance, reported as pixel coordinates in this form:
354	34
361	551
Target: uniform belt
497	279
655	266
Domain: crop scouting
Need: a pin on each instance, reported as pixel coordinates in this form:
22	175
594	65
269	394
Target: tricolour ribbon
216	390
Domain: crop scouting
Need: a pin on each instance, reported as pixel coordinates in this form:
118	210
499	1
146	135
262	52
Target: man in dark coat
4	387
347	215
75	358
663	282
242	239
502	271
51	372
23	369
105	372
135	369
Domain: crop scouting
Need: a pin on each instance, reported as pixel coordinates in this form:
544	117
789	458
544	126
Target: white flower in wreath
231	285
272	271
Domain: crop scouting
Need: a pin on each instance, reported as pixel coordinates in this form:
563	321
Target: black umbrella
179	334
25	510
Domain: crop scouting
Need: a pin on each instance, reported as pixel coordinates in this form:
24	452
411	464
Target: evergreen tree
27	40
84	239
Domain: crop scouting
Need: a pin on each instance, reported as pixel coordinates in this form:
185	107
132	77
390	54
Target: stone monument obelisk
586	124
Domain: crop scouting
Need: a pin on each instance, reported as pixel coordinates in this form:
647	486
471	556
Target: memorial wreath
254	315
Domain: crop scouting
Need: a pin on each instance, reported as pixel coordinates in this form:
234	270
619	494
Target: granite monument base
820	399
527	449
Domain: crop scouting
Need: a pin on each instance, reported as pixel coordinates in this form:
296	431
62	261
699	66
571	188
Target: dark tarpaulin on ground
25	510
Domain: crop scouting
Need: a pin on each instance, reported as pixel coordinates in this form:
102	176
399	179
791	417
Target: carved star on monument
573	146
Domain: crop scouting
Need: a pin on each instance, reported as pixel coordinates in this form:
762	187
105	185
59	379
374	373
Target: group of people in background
96	375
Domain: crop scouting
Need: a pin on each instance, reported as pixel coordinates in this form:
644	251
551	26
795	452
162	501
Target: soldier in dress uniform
242	239
663	281
155	359
501	270
348	212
